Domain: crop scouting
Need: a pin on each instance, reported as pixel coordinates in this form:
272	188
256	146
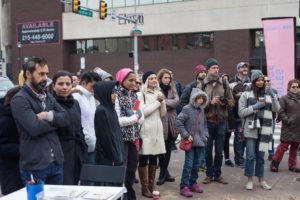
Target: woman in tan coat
154	107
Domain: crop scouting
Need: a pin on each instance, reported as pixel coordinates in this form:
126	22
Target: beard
38	86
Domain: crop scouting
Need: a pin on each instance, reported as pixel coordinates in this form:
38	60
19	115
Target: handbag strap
197	122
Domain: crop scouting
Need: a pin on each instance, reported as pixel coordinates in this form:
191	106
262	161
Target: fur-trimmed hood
196	92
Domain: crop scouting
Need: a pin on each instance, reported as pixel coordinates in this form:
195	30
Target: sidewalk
285	184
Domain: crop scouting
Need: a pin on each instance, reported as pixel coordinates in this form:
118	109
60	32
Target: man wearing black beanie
220	100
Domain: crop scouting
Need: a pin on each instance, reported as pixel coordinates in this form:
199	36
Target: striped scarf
262	120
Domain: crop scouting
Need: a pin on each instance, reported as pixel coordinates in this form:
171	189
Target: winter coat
39	142
129	123
169	120
72	140
192	120
87	105
186	94
246	112
289	114
9	152
217	113
109	145
153	142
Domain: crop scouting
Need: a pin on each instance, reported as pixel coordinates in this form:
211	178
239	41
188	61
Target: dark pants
215	139
239	144
145	160
10	177
226	145
52	175
164	159
131	156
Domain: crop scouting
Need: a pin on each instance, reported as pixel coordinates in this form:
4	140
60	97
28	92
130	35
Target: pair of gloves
259	104
138	113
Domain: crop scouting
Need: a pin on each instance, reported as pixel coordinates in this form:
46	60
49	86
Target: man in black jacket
37	116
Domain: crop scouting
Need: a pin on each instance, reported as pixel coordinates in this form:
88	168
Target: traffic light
75	6
103	10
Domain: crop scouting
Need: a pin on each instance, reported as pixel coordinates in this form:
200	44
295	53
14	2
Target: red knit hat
198	69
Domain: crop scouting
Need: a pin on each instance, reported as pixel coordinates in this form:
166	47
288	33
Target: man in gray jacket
37	116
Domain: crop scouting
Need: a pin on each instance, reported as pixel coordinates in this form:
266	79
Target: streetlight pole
261	42
135	43
19	44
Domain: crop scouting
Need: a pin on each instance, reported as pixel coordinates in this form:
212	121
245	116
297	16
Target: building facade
176	34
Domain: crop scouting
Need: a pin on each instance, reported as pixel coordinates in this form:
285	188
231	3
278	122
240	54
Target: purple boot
186	192
196	188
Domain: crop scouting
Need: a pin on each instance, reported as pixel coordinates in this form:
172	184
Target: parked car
5	85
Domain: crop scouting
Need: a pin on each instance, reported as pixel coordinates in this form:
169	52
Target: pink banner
279	35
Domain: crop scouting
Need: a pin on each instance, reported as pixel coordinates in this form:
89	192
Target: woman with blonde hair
153	107
168	89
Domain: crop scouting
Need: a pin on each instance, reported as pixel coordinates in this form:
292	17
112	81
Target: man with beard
37	116
238	84
200	74
220	101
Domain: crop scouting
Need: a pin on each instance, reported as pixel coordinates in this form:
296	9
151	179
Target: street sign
136	32
85	12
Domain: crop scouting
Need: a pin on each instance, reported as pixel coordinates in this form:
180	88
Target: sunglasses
295	87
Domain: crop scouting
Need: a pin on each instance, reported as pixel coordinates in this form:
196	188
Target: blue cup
35	192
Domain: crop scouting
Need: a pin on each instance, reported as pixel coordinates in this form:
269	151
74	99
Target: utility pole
135	43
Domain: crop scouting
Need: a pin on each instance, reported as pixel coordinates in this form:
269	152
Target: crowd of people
50	127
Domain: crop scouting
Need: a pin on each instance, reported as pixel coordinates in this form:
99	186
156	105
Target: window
258	38
147	43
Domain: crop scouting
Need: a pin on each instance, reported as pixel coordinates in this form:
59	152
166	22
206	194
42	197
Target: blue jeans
253	155
238	144
216	138
52	175
191	166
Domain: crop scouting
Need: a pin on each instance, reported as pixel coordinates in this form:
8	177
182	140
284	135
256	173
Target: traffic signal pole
135	31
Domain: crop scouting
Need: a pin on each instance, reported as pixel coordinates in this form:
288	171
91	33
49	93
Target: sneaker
229	163
185	191
274	166
240	165
249	185
221	180
207	180
196	188
265	186
296	170
202	169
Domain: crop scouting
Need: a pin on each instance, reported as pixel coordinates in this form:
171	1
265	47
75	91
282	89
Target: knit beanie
147	74
210	62
241	64
255	74
122	74
198	69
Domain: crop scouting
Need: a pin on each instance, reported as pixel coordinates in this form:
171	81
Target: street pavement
285	184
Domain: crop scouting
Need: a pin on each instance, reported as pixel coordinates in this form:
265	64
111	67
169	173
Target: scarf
262	121
165	89
68	101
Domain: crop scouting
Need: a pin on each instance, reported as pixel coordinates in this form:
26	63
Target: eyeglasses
295	87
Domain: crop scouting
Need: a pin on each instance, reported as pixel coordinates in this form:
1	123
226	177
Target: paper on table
67	194
97	196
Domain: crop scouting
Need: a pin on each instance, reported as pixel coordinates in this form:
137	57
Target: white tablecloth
51	191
